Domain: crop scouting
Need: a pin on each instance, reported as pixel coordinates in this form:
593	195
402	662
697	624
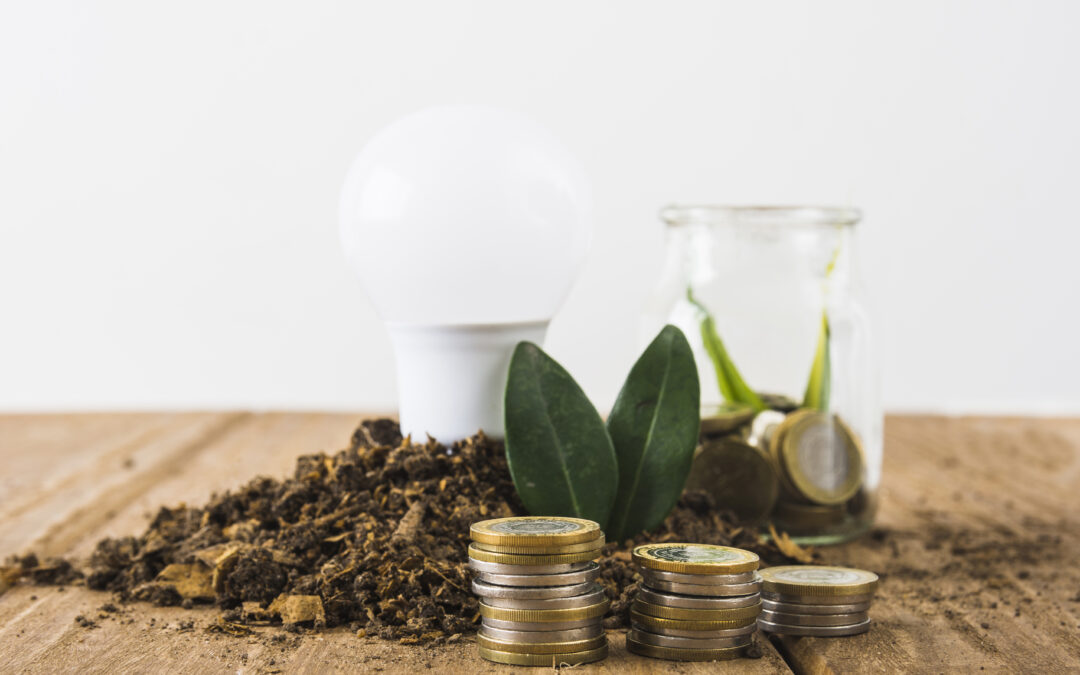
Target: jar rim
676	215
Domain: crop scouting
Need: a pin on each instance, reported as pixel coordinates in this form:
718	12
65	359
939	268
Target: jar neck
821	253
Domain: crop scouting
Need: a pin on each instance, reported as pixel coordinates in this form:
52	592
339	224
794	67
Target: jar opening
676	215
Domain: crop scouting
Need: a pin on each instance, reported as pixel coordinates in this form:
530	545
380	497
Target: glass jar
791	417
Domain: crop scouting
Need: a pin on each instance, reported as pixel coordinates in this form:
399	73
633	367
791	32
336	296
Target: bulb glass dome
464	215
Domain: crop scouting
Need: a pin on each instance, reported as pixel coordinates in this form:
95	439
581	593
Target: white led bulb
467	226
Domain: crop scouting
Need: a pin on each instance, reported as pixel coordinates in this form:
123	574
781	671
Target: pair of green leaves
626	475
730	381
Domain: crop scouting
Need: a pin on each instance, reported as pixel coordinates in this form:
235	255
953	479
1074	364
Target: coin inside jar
820	456
808	517
725	417
696	602
688	643
739	477
591	598
762	428
593	630
699	579
489	590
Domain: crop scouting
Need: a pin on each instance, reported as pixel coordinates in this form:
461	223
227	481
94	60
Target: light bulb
467	226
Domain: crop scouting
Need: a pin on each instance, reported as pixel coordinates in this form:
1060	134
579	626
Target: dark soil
373	537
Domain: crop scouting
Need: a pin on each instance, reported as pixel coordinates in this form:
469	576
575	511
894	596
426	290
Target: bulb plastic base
451	379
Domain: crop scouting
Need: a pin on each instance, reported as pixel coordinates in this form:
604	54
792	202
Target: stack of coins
539	605
697	602
816	601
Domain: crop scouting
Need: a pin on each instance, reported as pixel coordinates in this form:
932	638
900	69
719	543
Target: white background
169	176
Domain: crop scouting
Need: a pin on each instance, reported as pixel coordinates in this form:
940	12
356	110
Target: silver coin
700	634
814	631
792	608
587	572
540	625
695	601
814	619
489	591
763	426
708	591
699	579
591	598
526	636
525	570
648	638
790	599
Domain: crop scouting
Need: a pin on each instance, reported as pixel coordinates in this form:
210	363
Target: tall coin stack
539	605
697	602
816	600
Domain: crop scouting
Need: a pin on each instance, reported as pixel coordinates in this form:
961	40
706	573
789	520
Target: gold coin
795	518
542	647
813	580
685	614
545	615
679	654
695	558
739	477
784	404
773	445
720	419
590	545
540	531
656	623
552	660
522	559
820	456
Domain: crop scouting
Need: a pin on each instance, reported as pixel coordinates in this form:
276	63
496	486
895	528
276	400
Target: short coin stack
697	602
539	605
813	600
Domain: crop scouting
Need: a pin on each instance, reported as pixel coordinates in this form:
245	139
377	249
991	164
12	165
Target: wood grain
976	546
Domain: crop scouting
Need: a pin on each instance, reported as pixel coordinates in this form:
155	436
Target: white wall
169	176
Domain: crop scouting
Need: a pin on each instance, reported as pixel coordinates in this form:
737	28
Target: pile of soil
373	537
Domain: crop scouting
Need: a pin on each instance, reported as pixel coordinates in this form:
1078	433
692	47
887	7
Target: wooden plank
261	444
84	470
46	639
977	547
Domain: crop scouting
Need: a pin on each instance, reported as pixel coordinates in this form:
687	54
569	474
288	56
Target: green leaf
559	453
654	426
820	383
732	386
819	386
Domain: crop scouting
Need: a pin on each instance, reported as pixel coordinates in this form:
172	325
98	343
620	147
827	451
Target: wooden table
978	546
